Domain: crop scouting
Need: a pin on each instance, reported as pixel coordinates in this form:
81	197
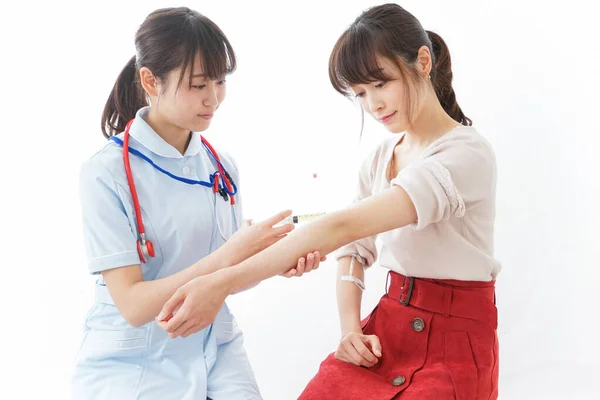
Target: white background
526	72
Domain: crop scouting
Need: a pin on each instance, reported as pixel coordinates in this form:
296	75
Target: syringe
297	219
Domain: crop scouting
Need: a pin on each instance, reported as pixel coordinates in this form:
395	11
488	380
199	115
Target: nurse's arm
140	301
379	213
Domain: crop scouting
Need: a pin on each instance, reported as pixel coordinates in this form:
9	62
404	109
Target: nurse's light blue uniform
116	361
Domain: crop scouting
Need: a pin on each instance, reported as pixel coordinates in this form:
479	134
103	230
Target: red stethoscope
220	182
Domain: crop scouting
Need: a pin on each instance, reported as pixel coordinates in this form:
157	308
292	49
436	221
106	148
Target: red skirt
438	340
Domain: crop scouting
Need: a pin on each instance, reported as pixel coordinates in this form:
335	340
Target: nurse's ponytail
125	99
169	39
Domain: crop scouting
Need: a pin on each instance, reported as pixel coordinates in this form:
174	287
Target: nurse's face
190	108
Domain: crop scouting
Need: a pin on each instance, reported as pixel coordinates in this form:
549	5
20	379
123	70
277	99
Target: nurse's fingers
301	268
175	322
175	300
190	331
178	319
310	262
298	271
290	273
280	216
303	265
283	229
318	260
181	329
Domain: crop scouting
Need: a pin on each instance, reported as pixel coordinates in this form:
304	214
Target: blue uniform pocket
108	334
128	339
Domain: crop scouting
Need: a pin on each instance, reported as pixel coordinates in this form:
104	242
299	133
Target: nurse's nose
212	99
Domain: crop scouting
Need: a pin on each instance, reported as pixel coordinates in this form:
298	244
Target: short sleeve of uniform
365	249
109	239
453	176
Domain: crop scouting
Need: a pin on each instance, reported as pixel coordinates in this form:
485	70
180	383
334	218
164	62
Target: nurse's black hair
169	38
391	32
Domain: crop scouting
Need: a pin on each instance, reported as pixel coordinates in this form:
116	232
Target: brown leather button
399	381
418	324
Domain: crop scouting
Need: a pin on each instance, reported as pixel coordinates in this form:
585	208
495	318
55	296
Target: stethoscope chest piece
145	249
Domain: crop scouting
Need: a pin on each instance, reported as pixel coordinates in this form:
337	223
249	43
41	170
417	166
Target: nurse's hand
252	238
195	304
305	265
359	349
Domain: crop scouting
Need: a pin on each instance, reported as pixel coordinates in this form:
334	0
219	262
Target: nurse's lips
206	116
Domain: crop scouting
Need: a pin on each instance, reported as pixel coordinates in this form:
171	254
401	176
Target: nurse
428	193
161	207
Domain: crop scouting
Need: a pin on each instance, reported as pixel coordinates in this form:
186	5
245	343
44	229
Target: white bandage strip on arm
350	277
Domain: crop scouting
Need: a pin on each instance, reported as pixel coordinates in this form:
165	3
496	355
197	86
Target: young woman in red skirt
428	194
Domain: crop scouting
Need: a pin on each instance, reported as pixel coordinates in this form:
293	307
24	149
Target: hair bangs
354	60
217	57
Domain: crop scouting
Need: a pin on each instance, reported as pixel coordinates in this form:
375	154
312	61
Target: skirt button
399	381
418	324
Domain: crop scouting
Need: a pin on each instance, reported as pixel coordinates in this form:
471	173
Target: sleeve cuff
363	255
111	261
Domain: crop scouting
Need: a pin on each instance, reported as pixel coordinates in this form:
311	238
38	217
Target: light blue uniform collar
143	133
